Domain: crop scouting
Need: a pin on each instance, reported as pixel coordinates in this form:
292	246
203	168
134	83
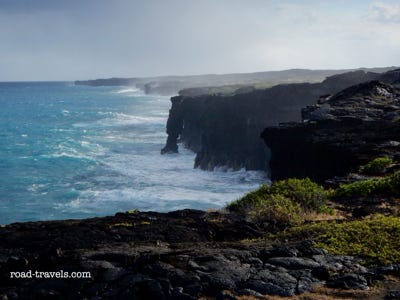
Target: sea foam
76	152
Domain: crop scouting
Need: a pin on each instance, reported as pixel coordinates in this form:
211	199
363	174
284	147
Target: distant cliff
109	82
225	130
339	133
171	85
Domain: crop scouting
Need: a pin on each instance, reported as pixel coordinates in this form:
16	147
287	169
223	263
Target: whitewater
71	151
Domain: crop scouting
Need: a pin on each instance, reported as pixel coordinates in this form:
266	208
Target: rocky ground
185	254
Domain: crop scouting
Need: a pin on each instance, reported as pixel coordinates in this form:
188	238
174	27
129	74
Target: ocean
71	152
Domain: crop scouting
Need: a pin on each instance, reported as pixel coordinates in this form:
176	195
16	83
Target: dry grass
323	293
317	216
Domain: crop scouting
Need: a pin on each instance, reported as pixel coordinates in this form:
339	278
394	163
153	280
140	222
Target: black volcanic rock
179	255
174	126
338	134
225	130
391	76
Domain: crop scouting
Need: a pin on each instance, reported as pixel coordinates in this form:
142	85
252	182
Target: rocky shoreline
179	255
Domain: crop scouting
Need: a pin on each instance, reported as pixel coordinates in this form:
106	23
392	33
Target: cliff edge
225	130
339	133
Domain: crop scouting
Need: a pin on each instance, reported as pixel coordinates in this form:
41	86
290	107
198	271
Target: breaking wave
96	151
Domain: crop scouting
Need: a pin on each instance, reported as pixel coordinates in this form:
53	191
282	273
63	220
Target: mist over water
73	152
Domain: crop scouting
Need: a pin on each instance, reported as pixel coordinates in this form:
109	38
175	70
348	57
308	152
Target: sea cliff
225	130
339	133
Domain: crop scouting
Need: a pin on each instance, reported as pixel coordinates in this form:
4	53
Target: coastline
228	254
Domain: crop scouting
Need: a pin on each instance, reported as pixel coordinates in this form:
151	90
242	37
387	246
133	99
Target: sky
87	39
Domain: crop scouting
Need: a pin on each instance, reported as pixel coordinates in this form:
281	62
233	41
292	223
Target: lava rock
349	281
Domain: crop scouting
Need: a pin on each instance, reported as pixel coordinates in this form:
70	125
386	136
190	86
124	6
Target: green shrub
278	209
358	188
309	195
389	186
284	201
250	200
377	166
376	239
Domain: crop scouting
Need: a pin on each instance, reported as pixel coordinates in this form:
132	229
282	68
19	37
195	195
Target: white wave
60	130
124	119
140	119
105	113
159	199
132	90
77	150
175	172
150	181
65	155
121	119
37	187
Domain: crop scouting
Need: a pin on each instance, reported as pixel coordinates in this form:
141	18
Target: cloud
385	12
58	40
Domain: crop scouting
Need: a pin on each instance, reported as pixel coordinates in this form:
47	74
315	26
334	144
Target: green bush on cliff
375	239
309	195
285	201
277	209
253	199
377	166
389	186
358	188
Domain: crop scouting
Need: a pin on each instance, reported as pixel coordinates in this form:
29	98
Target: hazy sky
82	39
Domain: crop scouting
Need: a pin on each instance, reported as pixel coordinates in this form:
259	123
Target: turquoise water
73	152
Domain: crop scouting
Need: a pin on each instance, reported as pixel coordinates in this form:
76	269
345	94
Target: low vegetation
377	166
226	90
386	186
284	202
375	239
309	195
277	209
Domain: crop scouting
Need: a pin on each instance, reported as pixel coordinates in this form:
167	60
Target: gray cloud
66	40
385	12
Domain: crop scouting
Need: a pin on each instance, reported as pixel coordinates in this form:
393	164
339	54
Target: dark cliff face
174	126
225	130
338	134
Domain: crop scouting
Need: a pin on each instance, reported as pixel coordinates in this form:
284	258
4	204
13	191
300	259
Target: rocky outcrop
225	130
340	133
178	255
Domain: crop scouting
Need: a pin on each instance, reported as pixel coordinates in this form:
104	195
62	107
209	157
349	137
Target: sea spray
75	151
